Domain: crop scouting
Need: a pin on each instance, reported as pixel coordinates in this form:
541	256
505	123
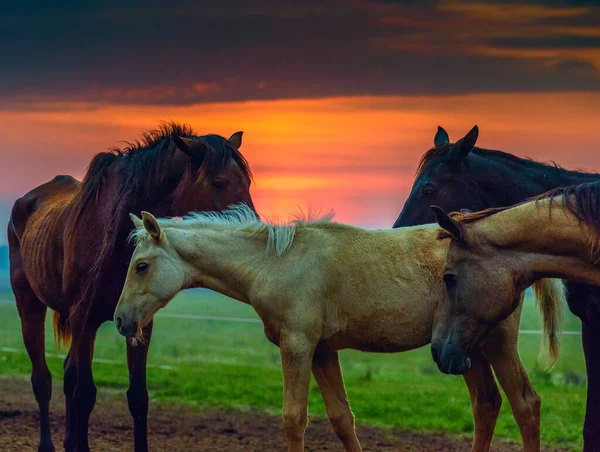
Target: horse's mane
143	163
440	152
154	137
280	236
582	200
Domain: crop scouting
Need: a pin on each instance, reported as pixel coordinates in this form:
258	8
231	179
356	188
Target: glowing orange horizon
354	154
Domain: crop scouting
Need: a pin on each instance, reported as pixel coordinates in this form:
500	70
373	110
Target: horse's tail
62	329
550	297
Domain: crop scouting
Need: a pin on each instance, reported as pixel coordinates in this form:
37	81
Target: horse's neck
161	198
531	226
543	243
511	181
223	259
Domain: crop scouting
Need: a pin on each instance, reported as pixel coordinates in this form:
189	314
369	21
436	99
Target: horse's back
35	235
58	188
372	290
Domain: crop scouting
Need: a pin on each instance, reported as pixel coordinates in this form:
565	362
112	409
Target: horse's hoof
46	447
76	448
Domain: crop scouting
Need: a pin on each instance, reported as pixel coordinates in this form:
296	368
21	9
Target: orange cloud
515	13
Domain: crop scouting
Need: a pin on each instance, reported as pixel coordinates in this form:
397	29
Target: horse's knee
489	402
535	402
84	397
294	424
41	383
528	409
137	399
342	423
70	380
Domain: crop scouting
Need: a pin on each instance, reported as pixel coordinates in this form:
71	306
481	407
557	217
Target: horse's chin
139	335
134	341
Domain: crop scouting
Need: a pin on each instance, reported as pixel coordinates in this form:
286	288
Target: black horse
458	176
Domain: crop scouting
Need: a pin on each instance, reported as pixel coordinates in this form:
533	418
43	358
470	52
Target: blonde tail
62	330
550	297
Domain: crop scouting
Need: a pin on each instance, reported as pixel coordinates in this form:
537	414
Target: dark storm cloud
146	52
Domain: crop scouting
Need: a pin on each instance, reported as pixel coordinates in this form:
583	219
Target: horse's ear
465	145
449	224
441	137
137	222
183	144
152	226
195	149
235	140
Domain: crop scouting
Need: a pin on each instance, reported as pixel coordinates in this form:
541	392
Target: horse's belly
46	284
384	331
42	258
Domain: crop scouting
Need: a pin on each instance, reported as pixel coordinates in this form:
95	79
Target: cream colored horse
320	287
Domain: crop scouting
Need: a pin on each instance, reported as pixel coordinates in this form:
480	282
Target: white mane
240	216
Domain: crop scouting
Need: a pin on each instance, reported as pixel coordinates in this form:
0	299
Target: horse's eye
142	267
429	190
449	278
219	184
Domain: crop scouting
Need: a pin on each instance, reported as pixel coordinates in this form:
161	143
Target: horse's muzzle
449	359
126	325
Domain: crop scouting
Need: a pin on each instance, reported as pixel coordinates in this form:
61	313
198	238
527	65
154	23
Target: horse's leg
83	397
485	400
296	358
591	427
502	354
137	394
69	382
33	313
584	302
328	374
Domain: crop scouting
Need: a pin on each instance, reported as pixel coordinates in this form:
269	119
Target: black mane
442	152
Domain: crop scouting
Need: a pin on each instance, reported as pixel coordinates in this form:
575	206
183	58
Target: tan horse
320	287
496	253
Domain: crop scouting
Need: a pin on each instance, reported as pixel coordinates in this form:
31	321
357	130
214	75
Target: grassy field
231	364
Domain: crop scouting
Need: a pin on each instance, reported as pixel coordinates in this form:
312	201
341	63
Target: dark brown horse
460	175
69	252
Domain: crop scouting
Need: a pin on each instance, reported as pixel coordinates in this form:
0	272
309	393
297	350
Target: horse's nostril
434	354
118	322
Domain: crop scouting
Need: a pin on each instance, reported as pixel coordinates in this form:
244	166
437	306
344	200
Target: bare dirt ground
174	428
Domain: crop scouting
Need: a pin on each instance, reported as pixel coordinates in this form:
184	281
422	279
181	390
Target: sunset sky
337	99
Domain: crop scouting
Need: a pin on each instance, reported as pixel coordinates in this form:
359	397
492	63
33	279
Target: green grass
225	364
